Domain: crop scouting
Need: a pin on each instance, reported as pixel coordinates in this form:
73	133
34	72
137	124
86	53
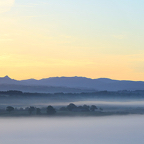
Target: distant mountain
42	89
82	83
8	80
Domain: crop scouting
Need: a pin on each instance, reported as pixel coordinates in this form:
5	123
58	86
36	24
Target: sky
88	38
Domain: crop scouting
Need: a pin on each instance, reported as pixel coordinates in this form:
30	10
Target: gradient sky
92	38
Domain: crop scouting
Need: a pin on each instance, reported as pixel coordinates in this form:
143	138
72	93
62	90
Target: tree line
50	110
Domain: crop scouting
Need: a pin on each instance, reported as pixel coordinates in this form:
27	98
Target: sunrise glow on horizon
94	39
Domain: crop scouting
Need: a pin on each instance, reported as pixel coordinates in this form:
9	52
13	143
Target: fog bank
100	130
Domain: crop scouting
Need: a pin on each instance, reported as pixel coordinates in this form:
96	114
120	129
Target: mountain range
69	84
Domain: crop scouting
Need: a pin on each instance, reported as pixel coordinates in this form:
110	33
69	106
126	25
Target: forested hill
107	94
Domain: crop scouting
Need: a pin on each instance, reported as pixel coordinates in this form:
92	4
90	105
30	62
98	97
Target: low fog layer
20	99
121	102
99	130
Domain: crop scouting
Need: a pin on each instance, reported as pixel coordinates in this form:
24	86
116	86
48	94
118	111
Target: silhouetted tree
86	107
31	109
38	111
93	108
50	110
71	106
9	109
80	107
101	109
63	109
21	109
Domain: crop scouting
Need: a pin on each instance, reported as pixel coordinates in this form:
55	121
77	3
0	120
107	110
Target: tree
31	109
50	110
101	109
71	106
86	107
38	111
63	109
9	109
93	108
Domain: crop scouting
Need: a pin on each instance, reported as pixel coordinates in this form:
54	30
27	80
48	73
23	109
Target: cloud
5	5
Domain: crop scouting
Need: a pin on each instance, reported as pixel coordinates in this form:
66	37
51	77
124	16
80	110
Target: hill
69	84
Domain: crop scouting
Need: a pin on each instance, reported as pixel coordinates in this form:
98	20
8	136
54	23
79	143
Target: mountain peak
7	77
